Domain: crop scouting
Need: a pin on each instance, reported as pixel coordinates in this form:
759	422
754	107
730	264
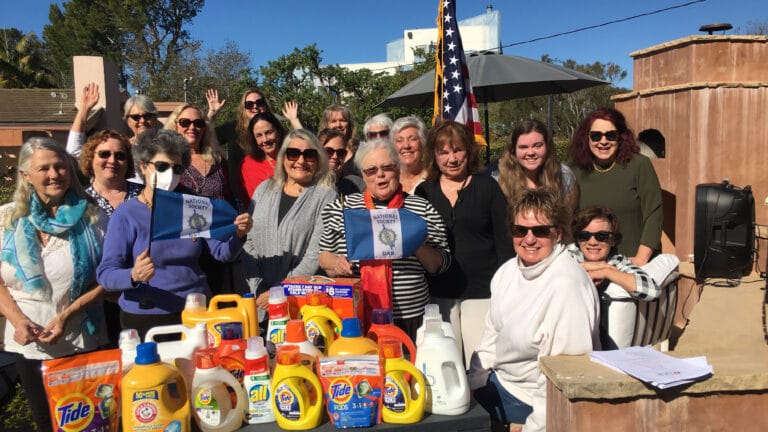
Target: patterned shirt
646	289
212	185
133	190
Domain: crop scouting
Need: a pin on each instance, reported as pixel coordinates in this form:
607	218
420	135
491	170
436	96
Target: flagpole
152	212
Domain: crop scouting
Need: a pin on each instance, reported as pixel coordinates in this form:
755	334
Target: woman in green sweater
611	173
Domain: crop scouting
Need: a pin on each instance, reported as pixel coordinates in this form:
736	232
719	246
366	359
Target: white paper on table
653	367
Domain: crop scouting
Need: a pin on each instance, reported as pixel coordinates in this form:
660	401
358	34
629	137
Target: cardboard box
346	294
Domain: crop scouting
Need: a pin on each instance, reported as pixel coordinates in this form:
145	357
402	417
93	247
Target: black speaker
724	230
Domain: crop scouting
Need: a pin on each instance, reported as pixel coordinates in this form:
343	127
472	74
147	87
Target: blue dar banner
383	233
178	215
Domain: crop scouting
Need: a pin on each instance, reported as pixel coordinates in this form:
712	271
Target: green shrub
16	415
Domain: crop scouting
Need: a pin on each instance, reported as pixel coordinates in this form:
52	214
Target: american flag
454	99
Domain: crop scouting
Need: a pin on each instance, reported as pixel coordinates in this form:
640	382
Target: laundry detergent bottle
383	327
401	404
322	324
129	340
278	317
351	340
258	383
296	392
438	358
212	405
154	394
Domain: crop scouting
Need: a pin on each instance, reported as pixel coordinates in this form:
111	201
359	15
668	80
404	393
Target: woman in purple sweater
154	286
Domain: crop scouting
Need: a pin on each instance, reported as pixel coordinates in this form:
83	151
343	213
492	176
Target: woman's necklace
600	169
143	198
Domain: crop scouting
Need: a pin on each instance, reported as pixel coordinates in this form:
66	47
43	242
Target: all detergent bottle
321	322
401	402
308	353
154	394
293	387
129	340
223	308
432	313
212	406
257	383
180	352
383	327
278	317
438	358
351	340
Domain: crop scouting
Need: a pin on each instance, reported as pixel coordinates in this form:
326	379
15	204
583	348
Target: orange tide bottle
232	351
322	324
382	326
401	403
351	340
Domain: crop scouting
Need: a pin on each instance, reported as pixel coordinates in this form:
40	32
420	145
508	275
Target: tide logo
285	397
204	396
258	393
390	389
340	391
74	412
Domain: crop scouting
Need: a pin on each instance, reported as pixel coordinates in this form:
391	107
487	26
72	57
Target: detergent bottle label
259	407
207	407
394	395
276	331
287	402
315	334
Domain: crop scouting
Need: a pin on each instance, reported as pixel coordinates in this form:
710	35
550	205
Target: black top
477	236
286	202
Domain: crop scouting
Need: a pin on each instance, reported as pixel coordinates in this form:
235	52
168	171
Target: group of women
65	247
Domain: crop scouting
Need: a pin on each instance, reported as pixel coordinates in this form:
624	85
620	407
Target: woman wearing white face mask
154	287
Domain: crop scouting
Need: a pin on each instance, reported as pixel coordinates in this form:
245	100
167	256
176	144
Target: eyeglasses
539	231
601	236
258	103
145	116
596	136
185	122
292	154
162	166
372	171
378	134
106	154
341	153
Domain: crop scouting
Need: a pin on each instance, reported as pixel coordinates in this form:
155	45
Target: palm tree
22	61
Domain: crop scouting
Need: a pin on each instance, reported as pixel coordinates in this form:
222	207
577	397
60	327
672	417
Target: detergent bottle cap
432	311
276	295
391	348
255	348
129	339
316	298
248	295
381	316
295	331
231	331
195	301
207	358
287	355
350	327
146	353
433	327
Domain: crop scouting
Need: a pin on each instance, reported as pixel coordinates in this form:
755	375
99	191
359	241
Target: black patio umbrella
496	77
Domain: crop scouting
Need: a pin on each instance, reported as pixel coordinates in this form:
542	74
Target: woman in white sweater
542	304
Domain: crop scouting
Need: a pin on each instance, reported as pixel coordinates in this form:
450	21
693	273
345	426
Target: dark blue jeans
500	404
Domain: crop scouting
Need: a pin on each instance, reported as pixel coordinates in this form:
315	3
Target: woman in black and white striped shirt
379	164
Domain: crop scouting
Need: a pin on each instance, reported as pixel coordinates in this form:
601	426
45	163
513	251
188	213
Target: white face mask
165	180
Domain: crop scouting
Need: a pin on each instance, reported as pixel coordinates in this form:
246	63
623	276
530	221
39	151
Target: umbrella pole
549	112
487	135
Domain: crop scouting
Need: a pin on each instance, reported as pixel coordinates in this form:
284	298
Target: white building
478	33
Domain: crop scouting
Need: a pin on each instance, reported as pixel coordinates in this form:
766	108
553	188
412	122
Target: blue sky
355	31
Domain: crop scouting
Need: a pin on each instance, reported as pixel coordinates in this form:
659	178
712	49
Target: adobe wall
708	95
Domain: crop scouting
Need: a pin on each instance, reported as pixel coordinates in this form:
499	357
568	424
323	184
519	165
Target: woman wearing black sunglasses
611	173
335	145
153	286
597	234
542	304
286	216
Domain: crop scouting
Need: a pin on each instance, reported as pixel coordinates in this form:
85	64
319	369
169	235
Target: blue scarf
22	249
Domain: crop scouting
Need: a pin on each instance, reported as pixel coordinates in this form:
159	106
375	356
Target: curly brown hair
456	134
85	163
580	152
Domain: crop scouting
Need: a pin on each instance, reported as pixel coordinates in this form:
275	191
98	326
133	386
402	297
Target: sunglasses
145	116
372	171
378	134
185	122
161	166
106	154
292	154
259	103
539	231
341	153
601	236
595	136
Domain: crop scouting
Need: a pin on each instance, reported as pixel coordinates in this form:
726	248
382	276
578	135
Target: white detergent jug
214	409
129	340
432	312
180	353
438	358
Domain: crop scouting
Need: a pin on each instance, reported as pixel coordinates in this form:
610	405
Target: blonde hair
209	145
322	177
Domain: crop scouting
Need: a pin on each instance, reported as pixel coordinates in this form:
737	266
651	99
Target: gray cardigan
273	252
